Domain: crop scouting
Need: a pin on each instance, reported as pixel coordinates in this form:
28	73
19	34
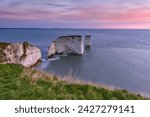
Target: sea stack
19	53
72	44
87	41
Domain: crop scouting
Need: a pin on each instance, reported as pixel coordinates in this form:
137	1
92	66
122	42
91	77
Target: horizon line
84	28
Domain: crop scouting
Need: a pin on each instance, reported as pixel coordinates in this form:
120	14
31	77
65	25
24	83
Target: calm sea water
118	58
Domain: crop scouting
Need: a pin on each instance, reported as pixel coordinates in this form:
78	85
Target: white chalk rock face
52	49
21	53
88	40
66	44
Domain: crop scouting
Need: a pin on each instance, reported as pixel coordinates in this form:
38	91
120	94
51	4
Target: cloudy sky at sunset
75	14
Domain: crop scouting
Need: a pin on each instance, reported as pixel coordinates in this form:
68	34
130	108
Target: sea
118	58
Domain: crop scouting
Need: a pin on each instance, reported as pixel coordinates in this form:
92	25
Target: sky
128	14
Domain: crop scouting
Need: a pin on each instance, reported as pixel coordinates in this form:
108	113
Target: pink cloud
30	14
101	13
100	16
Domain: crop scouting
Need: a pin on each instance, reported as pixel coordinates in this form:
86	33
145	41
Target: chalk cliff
72	44
19	53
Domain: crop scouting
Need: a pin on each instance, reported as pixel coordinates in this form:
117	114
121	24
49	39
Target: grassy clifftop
17	82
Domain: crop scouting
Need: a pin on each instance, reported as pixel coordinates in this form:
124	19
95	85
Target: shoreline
27	83
74	79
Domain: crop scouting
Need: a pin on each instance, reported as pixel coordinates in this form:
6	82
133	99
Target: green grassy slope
17	82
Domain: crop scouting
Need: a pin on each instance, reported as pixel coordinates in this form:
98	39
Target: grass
18	83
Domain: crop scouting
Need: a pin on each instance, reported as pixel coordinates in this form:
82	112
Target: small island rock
87	41
72	44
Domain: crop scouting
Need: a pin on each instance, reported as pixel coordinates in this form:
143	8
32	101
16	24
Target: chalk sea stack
19	53
87	41
72	44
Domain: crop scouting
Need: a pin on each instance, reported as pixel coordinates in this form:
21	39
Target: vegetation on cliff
3	45
17	82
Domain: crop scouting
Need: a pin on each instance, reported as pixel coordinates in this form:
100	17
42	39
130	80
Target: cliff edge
19	53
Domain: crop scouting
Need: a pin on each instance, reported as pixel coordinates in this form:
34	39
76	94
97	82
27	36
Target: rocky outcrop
72	44
19	53
87	41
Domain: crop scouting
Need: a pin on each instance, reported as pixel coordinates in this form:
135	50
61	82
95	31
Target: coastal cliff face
66	44
19	53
